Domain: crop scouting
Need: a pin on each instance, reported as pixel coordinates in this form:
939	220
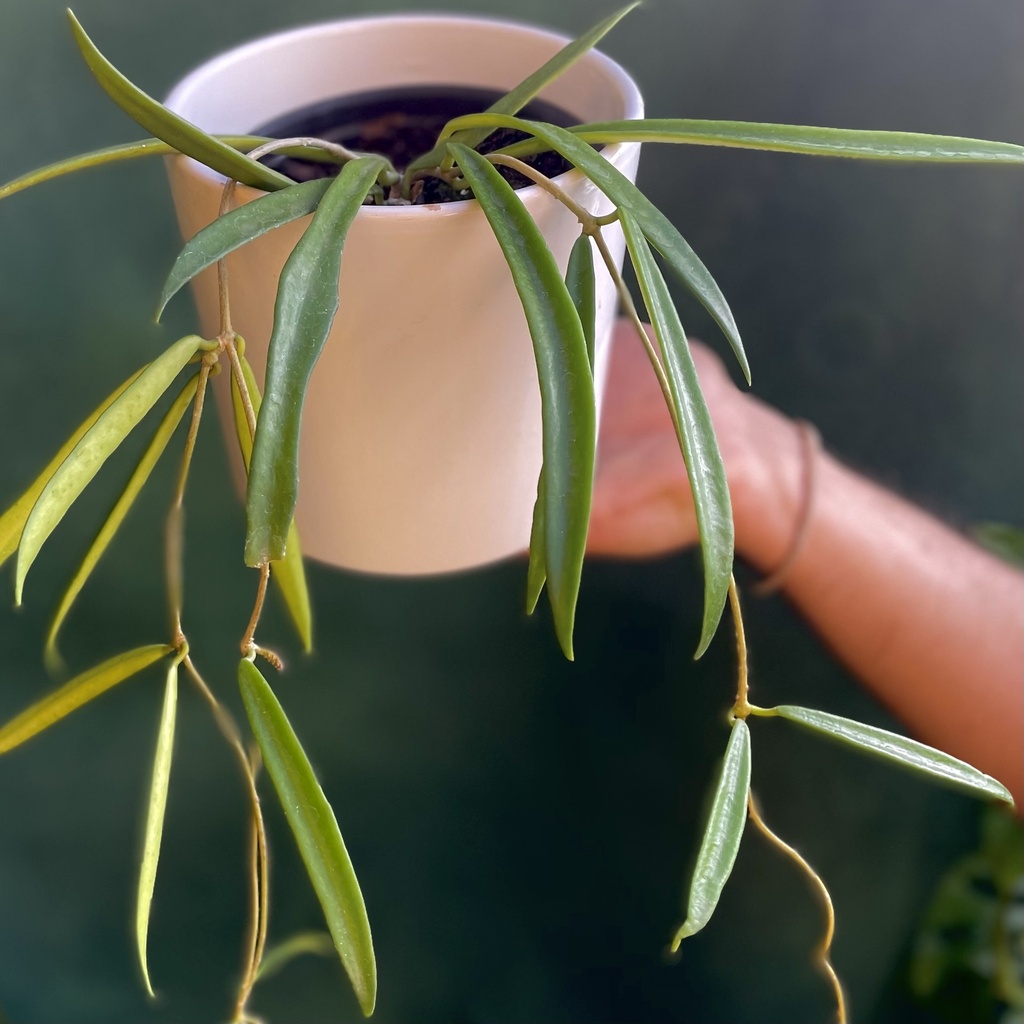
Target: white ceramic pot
421	436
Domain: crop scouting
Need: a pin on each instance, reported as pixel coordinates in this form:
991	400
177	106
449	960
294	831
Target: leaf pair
569	417
97	439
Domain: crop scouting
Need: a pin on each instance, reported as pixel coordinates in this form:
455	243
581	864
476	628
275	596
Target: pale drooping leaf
76	692
111	427
159	785
117	515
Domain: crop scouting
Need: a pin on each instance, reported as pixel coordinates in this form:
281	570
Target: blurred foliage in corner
967	963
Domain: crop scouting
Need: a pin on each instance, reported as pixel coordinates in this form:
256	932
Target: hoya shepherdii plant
560	311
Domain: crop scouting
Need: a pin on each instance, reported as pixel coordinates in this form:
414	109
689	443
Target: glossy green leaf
112	155
234	229
164	124
113	521
316	831
76	692
581	285
566	384
307	301
112	426
722	835
900	750
288	574
514	101
657	228
696	435
810	141
12	522
158	788
279	956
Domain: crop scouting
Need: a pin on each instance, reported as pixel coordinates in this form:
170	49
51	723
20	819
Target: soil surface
402	124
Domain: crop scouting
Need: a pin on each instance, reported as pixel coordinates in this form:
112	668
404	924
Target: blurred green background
521	826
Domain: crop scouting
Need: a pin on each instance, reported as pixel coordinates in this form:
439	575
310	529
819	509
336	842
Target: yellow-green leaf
113	522
112	426
277	957
722	835
12	522
900	750
316	831
155	817
288	573
76	692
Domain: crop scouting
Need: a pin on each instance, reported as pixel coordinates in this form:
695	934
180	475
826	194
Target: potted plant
562	313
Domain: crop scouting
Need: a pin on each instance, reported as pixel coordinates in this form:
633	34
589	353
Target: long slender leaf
787	138
307	300
289	574
657	228
582	287
111	155
900	750
805	139
316	831
696	434
174	130
117	514
514	101
566	384
722	835
112	426
76	692
12	522
159	785
234	229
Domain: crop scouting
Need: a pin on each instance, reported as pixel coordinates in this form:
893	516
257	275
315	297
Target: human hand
642	505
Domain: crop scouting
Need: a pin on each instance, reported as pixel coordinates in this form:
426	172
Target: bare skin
932	624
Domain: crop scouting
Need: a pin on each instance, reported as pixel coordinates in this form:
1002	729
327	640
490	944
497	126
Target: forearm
931	623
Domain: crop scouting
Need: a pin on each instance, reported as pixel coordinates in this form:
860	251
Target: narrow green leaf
279	956
234	229
898	749
696	435
76	692
722	835
657	228
581	285
289	573
514	101
566	384
581	281
117	514
174	130
112	426
316	832
155	818
111	155
12	522
811	141
307	300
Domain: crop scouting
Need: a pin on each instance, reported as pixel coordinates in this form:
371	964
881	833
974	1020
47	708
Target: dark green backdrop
520	825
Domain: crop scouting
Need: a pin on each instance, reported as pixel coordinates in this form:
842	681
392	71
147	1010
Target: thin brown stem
226	330
825	946
235	358
248	646
255	940
584	216
742	707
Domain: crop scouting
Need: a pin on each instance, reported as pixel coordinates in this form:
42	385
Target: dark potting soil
402	124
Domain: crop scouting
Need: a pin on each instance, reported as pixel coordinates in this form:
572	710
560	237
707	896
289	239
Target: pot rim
194	81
